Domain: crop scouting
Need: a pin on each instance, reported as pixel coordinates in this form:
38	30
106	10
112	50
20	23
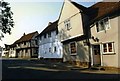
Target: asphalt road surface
18	69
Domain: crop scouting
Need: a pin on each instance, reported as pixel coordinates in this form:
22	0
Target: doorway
96	55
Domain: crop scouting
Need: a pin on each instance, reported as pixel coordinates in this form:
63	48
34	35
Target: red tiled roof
26	37
49	28
102	9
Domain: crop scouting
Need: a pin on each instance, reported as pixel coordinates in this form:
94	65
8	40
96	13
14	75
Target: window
104	47
24	43
40	38
45	36
26	51
55	49
35	51
49	34
19	45
108	48
50	50
73	48
36	42
67	24
11	52
103	25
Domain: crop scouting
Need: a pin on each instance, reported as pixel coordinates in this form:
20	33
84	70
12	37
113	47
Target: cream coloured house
105	35
90	35
72	33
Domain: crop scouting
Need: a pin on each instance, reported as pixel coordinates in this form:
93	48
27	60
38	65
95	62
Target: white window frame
105	26
113	51
70	48
67	24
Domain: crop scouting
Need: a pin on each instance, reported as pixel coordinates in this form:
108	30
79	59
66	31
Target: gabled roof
26	37
49	28
7	46
80	7
101	9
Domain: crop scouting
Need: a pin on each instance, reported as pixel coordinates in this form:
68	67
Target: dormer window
67	24
103	24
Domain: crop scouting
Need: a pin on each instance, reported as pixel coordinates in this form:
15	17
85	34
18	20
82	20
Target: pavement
66	66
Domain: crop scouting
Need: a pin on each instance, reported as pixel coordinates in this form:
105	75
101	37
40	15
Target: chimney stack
49	23
24	34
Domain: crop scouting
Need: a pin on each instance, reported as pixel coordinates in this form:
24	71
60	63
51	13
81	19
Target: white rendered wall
45	44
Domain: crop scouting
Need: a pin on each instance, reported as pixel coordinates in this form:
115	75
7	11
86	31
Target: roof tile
26	37
51	27
101	9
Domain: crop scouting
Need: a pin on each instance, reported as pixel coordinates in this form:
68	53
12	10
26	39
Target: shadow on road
24	69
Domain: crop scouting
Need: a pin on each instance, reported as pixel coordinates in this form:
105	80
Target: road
37	69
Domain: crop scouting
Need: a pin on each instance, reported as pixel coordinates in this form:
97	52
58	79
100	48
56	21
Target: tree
6	19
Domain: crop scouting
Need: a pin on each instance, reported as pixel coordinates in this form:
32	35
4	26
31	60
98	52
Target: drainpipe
88	42
89	45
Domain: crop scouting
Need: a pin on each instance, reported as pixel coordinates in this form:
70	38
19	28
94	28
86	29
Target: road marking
15	67
100	72
40	68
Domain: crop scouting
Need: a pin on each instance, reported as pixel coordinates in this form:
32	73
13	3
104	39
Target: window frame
67	24
108	52
71	49
105	26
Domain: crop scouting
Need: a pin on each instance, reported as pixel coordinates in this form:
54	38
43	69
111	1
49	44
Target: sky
34	15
